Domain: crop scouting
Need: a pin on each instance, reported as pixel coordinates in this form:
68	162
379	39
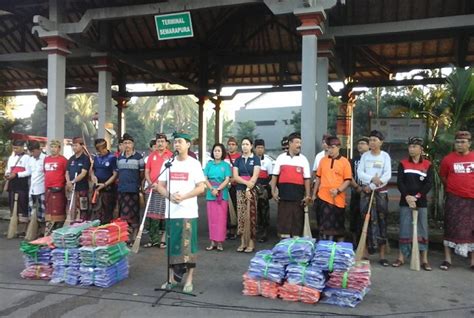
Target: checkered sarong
37	201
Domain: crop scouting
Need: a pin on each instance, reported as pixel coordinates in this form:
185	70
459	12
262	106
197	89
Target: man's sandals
445	265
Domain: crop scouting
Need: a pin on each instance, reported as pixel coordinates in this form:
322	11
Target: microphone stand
168	289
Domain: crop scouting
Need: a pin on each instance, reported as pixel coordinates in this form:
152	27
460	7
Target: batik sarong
377	230
22	205
290	218
157	206
406	230
331	219
263	211
459	224
243	211
55	205
129	208
182	242
104	207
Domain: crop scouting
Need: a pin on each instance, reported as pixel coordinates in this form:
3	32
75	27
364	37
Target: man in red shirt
457	174
55	181
156	209
232	155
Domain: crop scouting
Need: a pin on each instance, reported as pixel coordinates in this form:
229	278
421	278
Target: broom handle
363	237
415	250
138	238
69	211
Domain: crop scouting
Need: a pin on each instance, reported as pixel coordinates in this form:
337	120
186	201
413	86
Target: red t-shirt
155	161
55	171
458	171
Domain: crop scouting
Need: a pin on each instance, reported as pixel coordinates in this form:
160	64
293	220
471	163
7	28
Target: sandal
149	244
384	262
398	263
211	247
249	250
240	249
170	285
188	288
445	265
220	248
426	267
162	245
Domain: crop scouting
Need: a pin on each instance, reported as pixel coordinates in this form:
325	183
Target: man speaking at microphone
186	182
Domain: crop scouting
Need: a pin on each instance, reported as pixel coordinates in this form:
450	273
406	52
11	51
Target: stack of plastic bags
348	288
103	256
331	256
291	292
66	262
105	235
259	287
68	237
262	266
37	257
104	276
306	275
294	250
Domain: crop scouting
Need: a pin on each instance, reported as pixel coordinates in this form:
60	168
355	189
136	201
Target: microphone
170	160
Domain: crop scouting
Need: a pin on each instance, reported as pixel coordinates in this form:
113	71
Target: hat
55	142
294	136
415	141
333	141
376	133
78	140
126	136
463	134
232	139
284	141
33	145
259	142
18	143
183	135
161	136
364	139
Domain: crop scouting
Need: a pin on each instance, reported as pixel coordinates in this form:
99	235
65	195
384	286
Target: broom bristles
13	226
32	230
306	227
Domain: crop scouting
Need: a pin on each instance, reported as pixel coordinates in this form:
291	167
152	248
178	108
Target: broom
307	227
415	250
32	231
363	236
138	238
12	228
69	212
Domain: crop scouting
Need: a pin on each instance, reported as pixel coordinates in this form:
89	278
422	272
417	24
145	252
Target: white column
56	96
321	120
105	101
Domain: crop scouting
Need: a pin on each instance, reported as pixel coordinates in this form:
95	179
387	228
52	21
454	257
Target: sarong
182	242
217	219
103	209
354	213
157	207
331	219
55	205
22	205
232	200
263	211
242	213
459	223
406	230
37	201
377	230
81	204
129	208
290	218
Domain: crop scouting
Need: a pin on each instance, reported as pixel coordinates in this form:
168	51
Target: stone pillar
218	121
121	105
344	128
311	21
321	120
57	51
104	95
202	138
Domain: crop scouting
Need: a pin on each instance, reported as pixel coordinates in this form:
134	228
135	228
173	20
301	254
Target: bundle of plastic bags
331	256
356	278
304	294
42	272
103	256
67	274
66	257
104	276
306	275
68	237
294	250
34	254
343	297
259	287
262	266
104	235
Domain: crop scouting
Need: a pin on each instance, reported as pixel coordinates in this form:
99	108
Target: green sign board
174	26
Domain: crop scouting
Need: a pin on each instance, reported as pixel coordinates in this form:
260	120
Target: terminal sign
174	26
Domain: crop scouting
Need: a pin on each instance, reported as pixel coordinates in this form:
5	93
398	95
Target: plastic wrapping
104	235
343	297
103	256
37	272
294	250
357	277
68	237
304	294
66	274
104	276
306	275
263	267
259	287
331	256
66	257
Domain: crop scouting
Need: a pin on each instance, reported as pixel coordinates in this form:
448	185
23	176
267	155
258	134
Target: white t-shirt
320	155
184	177
370	165
36	168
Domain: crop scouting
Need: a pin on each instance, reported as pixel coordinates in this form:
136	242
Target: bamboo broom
307	227
363	236
69	211
138	238
415	250
32	231
13	226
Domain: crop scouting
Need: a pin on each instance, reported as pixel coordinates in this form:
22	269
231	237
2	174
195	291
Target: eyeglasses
461	141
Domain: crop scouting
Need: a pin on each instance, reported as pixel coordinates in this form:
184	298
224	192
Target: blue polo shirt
245	167
76	165
129	169
104	166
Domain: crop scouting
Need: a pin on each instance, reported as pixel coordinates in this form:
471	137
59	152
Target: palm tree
83	108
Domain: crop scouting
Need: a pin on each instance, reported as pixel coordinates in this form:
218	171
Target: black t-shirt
77	164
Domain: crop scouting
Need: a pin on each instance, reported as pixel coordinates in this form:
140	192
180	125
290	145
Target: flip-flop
426	267
398	263
210	248
162	245
445	265
149	245
249	250
384	262
240	249
220	248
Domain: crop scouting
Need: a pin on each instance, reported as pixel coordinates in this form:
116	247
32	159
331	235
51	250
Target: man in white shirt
181	184
263	191
320	155
35	168
374	172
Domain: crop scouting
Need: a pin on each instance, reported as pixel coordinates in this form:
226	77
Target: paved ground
395	292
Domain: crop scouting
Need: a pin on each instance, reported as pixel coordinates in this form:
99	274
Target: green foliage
246	129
